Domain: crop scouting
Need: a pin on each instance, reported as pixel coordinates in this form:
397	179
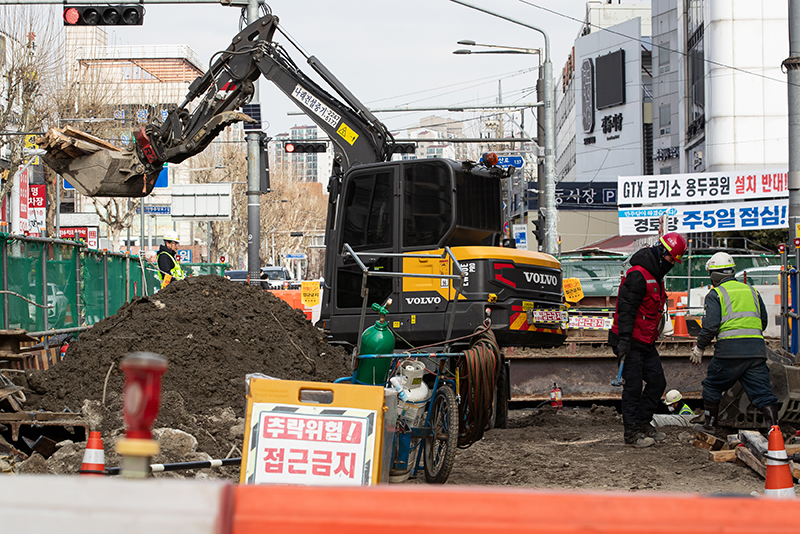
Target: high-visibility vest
176	272
740	311
685	410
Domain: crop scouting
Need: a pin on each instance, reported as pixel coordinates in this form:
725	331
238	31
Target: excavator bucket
95	168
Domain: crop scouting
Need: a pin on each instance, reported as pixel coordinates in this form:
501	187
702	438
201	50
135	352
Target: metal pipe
59	331
105	285
784	299
5	285
160	468
78	256
44	294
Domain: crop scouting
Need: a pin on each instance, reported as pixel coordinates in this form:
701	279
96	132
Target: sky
389	53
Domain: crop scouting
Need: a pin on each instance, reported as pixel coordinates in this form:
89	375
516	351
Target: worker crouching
637	319
736	315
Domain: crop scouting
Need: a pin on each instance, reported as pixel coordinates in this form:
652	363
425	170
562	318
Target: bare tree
29	60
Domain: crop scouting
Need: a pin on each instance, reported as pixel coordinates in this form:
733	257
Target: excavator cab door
367	222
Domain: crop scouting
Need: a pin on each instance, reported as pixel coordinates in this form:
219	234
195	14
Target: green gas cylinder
377	339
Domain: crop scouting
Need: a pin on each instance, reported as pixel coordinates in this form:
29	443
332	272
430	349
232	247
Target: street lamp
551	230
502	49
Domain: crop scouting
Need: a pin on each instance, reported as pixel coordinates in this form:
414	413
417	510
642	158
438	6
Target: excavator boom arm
215	97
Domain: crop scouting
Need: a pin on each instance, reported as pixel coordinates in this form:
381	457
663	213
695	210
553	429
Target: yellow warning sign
30	142
309	292
573	292
347	134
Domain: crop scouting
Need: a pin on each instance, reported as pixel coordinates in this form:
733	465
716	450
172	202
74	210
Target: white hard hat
171	235
672	396
720	260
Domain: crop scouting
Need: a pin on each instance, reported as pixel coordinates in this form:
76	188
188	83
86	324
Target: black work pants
643	365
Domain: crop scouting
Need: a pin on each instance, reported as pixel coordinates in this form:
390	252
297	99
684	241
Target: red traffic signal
117	15
302	148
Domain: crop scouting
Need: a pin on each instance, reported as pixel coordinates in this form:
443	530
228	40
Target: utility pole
792	65
253	179
551	226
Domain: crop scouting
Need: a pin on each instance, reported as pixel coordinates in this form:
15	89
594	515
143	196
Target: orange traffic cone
779	477
94	459
680	329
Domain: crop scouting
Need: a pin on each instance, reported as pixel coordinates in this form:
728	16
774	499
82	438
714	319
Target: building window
664	118
663	57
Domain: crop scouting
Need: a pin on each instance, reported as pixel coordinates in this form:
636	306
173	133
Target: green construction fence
55	284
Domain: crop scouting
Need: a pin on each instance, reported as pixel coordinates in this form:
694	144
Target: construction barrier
294	298
88	505
57	284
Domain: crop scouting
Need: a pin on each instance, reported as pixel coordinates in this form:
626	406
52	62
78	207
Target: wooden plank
716	444
701	445
754	441
83	136
792	448
722	456
744	454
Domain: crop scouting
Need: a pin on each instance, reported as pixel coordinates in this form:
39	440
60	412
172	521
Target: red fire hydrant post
140	400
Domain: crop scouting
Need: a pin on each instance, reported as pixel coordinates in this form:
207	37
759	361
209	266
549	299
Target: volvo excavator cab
419	207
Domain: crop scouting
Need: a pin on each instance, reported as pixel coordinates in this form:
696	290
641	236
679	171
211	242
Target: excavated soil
213	332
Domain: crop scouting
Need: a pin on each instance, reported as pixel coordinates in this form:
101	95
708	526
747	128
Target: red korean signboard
306	447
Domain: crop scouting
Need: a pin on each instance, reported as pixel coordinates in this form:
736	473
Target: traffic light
403	148
539	223
293	147
116	15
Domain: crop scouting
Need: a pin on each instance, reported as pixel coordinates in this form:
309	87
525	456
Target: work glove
697	355
623	348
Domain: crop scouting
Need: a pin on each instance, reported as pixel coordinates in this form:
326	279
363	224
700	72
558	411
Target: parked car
241	277
279	278
57	314
759	276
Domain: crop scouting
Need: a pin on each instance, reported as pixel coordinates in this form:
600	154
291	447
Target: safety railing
446	254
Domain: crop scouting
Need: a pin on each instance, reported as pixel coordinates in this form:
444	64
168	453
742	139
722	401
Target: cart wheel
439	450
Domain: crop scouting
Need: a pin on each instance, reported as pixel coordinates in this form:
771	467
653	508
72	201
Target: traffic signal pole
253	179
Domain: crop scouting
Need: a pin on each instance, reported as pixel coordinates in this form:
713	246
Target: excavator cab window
427	204
368	212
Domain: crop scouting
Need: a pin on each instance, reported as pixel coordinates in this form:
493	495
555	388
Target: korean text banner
753	215
702	187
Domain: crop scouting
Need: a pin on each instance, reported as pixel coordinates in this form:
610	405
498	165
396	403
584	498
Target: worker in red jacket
640	309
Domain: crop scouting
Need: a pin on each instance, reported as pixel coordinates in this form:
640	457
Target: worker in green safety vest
736	315
168	266
680	414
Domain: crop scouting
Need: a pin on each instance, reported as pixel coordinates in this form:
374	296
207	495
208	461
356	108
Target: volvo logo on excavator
423	300
541	278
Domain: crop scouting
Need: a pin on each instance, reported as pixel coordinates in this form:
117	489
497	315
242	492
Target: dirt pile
213	332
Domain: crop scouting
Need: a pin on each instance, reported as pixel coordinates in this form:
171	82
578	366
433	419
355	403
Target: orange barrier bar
297	510
294	298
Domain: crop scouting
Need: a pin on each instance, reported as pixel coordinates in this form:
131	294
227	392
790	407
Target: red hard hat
675	245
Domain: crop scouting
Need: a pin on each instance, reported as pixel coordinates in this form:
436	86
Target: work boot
651	432
635	438
711	413
770	412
